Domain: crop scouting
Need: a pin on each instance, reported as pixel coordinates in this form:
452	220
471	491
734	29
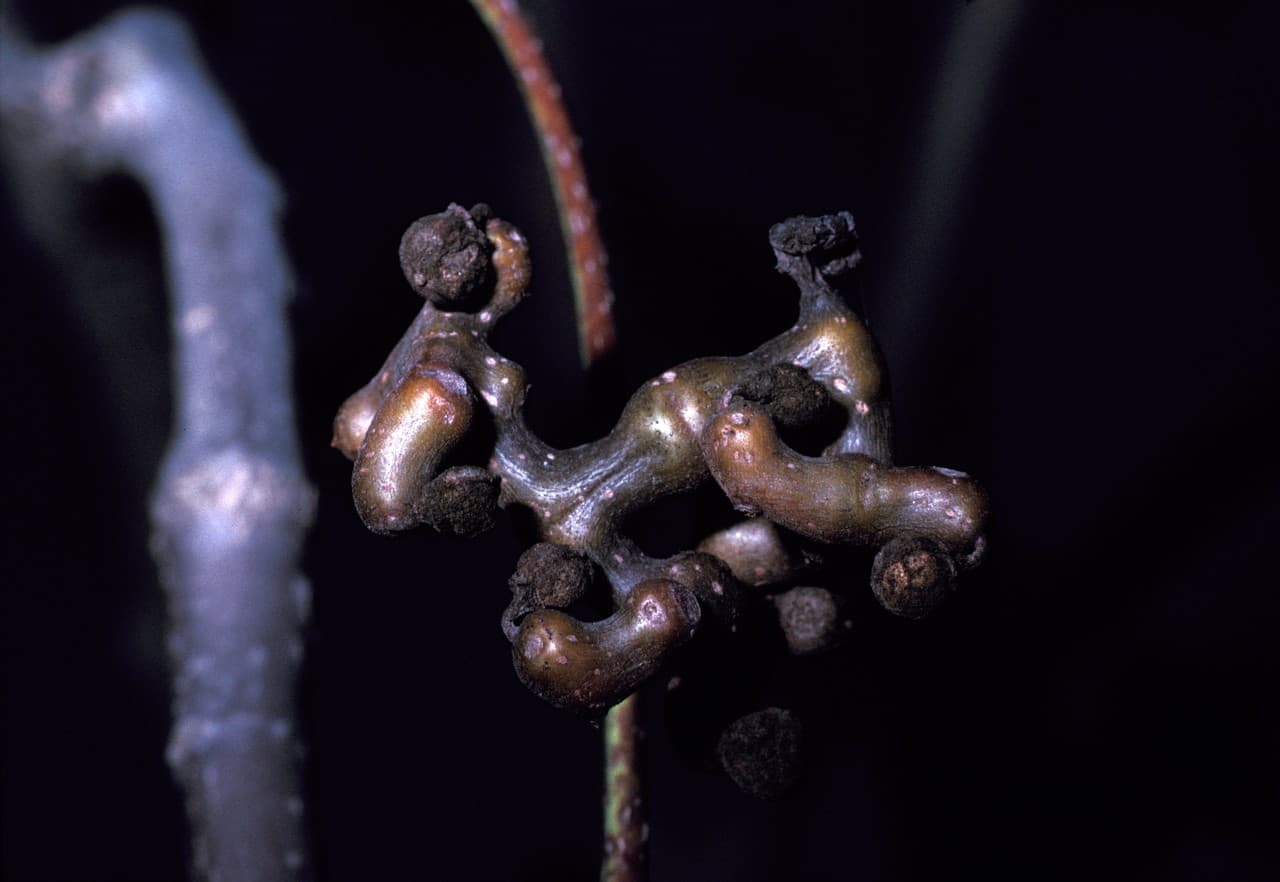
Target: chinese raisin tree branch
231	504
710	419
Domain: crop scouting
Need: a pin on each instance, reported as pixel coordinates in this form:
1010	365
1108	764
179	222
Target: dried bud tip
553	575
787	393
911	577
445	258
829	242
462	500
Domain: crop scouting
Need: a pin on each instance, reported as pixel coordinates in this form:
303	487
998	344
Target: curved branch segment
847	498
586	667
418	423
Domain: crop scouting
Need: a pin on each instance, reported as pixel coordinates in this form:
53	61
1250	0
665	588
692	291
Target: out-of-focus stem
625	830
231	503
593	297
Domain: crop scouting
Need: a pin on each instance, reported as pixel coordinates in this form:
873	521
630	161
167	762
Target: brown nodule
755	552
787	393
912	577
556	575
761	752
547	575
810	619
445	257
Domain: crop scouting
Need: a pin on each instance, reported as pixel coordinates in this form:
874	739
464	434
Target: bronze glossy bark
586	667
847	498
710	418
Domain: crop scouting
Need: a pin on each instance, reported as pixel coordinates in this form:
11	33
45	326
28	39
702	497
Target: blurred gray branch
231	505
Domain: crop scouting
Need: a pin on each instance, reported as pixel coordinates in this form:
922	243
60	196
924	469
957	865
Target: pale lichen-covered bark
231	503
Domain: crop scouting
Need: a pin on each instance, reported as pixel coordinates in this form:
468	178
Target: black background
1065	214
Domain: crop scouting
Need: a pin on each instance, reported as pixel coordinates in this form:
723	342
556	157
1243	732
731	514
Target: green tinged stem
625	831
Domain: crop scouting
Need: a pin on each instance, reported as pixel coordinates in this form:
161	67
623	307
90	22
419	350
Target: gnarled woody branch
711	418
231	503
847	498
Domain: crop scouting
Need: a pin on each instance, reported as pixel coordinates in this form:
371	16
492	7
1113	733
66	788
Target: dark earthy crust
760	752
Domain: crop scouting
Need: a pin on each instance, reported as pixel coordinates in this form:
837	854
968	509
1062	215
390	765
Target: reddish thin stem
593	297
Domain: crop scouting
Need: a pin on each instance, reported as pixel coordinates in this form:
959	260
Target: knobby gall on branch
439	437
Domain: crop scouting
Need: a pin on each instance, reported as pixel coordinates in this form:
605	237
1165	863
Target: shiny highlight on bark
847	498
586	667
418	423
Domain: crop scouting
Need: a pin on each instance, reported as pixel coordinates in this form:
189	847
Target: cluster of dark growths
720	419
